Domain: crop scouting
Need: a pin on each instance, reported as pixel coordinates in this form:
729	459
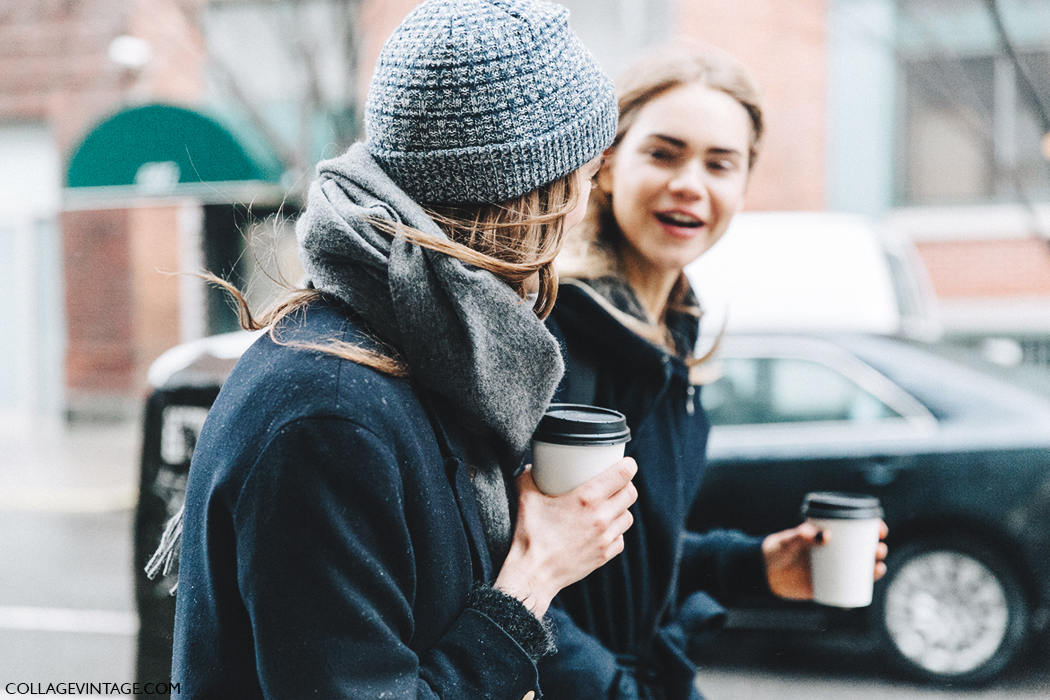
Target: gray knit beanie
485	100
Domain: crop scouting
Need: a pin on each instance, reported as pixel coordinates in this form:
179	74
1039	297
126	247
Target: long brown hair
682	61
513	240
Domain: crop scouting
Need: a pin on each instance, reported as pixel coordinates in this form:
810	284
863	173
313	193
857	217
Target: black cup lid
841	506
578	424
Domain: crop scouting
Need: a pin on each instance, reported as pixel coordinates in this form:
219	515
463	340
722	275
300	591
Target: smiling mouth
679	219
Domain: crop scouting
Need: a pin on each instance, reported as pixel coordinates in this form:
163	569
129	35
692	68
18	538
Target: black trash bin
171	424
188	380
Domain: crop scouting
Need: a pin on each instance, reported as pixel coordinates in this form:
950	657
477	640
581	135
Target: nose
688	180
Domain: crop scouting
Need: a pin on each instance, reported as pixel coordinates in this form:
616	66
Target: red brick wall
176	70
784	43
992	268
378	20
153	245
53	63
55	68
100	355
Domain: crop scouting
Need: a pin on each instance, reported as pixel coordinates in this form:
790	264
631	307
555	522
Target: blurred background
142	138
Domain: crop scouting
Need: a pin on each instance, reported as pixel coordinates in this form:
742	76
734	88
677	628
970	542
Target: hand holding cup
560	539
844	565
788	559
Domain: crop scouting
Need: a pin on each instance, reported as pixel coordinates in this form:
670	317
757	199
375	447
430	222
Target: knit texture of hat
485	100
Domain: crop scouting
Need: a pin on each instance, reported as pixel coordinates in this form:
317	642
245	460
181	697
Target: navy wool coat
623	630
329	547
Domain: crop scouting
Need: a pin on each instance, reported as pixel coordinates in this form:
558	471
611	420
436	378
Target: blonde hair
513	240
593	249
685	61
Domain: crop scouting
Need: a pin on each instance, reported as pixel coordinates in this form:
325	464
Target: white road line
68	620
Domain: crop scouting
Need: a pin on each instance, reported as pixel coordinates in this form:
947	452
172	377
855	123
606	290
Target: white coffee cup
843	567
575	443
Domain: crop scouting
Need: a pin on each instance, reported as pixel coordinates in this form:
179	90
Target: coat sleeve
327	572
582	668
727	564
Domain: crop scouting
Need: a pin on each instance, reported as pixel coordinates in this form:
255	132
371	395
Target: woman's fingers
621	524
622	499
609	482
560	539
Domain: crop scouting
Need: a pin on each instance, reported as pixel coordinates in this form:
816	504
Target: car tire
950	611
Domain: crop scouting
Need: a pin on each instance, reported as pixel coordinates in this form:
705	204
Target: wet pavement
67	611
763	665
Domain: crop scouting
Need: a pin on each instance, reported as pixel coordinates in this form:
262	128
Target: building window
972	127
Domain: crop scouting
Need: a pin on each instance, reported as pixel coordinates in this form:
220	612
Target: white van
814	272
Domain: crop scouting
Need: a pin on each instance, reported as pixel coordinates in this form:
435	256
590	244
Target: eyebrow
725	152
678	143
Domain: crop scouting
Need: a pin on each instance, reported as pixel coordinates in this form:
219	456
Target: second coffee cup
844	567
575	443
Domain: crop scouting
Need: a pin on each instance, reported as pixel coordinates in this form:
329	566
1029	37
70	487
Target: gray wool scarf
462	331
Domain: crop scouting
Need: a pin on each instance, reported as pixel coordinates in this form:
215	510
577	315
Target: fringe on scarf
166	557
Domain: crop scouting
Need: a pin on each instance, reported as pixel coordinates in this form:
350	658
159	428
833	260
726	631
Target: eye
721	165
661	155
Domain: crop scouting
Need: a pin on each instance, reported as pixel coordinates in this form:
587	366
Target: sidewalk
81	468
67	497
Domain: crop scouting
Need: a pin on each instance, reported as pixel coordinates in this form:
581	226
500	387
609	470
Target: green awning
161	149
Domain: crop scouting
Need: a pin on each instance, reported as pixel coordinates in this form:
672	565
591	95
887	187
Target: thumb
812	534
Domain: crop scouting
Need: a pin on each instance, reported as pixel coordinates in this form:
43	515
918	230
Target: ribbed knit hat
485	100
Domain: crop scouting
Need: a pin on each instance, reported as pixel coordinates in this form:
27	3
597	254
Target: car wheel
950	611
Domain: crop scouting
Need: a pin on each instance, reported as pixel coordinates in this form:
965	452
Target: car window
788	390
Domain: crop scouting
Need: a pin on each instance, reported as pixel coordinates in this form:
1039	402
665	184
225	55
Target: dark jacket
329	548
623	630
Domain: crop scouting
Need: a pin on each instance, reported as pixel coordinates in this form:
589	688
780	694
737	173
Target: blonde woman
357	524
690	129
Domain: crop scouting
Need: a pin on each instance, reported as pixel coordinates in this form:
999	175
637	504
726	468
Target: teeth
682	219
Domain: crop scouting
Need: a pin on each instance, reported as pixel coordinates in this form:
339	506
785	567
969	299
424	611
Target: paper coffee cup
844	566
574	443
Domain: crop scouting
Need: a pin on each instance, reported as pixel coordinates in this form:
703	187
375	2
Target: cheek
574	217
728	197
632	191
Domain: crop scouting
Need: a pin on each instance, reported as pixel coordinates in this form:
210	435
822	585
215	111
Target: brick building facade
833	122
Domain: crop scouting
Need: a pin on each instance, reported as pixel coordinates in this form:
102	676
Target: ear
604	180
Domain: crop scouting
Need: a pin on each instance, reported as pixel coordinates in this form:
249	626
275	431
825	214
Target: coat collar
583	311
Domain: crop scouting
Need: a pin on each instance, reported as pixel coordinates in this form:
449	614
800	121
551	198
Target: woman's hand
787	560
560	539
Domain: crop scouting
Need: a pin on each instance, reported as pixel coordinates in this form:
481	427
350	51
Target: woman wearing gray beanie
356	522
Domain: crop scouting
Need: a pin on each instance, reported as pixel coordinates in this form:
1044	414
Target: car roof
200	363
814	272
